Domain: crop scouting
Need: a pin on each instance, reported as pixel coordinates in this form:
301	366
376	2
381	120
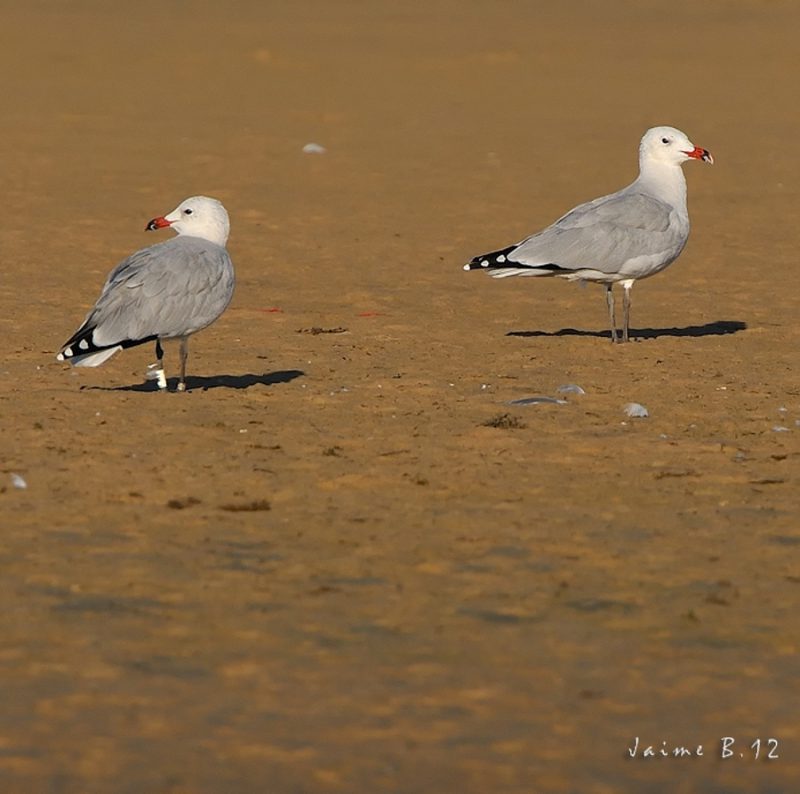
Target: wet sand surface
332	565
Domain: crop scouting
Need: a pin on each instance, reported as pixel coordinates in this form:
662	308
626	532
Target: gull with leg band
168	291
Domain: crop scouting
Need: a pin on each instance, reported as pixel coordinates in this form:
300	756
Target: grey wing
604	234
167	290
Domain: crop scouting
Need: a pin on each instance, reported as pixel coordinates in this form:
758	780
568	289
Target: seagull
170	290
631	234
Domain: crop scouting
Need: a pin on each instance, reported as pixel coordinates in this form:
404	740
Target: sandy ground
322	569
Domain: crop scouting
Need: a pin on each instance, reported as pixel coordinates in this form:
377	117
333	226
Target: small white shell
636	410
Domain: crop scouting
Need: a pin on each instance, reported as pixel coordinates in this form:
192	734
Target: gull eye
187	212
665	140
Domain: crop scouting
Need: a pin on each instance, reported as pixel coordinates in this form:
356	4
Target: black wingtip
493	260
79	344
82	344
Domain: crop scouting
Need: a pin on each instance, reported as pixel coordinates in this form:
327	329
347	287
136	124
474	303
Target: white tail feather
521	271
94	359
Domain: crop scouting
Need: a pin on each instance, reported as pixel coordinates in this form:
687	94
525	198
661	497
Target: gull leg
626	308
611	317
156	371
184	356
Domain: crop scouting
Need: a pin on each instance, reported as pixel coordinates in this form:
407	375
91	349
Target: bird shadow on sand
718	328
194	382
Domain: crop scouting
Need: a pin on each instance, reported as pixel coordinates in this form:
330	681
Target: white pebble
314	148
570	388
18	482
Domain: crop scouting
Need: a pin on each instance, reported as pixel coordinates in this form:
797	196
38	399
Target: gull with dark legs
625	236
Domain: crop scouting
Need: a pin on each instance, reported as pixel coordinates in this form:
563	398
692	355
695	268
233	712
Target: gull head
671	147
198	216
